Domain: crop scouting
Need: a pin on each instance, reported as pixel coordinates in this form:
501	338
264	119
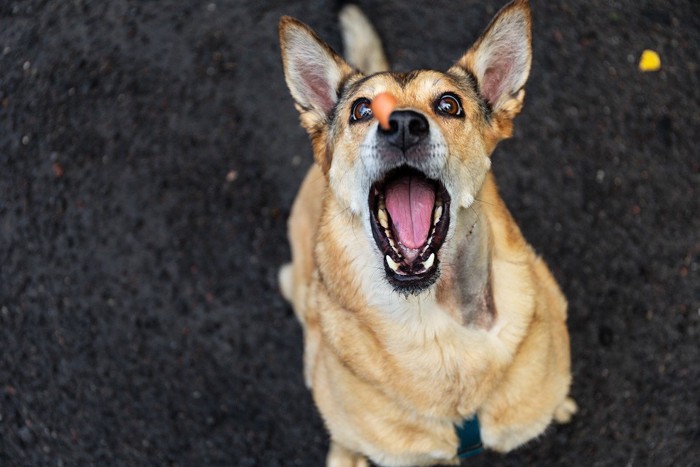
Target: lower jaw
412	284
413	271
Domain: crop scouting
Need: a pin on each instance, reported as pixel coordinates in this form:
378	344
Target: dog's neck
464	287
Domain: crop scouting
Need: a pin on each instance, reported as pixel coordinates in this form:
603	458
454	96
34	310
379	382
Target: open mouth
409	215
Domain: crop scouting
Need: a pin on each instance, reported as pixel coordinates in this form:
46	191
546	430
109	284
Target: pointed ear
500	59
313	71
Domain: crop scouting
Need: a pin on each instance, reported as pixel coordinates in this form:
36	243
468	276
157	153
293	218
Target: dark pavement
149	154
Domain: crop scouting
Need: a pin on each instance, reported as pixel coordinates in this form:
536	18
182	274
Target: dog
429	322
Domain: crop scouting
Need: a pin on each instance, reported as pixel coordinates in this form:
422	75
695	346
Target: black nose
406	128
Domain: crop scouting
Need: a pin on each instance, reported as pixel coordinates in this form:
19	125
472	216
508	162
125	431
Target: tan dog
421	303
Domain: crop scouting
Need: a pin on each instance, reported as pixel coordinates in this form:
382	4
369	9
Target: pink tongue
410	201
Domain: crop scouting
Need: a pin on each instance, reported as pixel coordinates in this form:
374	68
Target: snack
382	106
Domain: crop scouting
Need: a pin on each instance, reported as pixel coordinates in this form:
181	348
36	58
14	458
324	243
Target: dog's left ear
500	60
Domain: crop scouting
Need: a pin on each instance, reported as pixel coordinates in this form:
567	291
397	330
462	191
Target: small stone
600	176
26	65
25	139
231	176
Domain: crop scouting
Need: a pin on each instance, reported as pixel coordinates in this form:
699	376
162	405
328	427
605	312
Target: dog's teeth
392	264
383	218
438	213
428	263
392	243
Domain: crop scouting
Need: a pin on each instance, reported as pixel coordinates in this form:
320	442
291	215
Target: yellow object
649	61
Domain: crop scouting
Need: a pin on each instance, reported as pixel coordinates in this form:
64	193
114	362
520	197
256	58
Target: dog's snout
406	128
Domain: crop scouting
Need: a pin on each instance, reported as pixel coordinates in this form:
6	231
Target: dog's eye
449	105
361	110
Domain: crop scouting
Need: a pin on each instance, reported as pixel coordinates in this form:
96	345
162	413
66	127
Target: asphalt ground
149	154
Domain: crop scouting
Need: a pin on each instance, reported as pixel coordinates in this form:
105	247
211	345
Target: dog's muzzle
408	203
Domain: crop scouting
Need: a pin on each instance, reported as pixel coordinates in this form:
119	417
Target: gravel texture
149	154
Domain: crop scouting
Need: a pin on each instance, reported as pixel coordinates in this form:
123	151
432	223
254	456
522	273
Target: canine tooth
383	218
438	213
392	264
428	263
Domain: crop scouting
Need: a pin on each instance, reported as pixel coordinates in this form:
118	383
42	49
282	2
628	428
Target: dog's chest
430	333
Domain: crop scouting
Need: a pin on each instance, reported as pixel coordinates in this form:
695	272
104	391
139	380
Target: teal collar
469	435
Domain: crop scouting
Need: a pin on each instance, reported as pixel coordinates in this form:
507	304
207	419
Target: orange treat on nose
382	106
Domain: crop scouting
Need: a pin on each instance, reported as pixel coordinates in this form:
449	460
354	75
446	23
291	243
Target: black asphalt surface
149	154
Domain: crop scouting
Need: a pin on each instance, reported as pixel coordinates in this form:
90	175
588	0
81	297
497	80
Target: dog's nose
406	128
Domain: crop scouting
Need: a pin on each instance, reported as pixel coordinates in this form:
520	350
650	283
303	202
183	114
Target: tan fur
363	47
392	374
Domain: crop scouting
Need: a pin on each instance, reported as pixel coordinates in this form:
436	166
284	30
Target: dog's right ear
313	71
500	61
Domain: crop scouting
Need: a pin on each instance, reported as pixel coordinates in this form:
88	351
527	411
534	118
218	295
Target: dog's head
408	183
